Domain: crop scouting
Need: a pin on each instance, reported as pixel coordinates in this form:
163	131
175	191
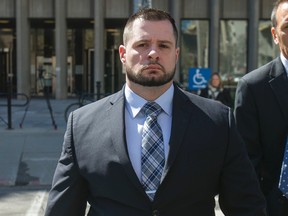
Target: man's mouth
152	67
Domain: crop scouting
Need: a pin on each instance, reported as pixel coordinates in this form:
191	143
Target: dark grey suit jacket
206	158
261	112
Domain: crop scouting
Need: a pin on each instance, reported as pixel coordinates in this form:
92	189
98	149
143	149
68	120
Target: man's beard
148	81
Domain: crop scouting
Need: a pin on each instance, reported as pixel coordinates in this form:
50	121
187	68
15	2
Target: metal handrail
25	102
9	105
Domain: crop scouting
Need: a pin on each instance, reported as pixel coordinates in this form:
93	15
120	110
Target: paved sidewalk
28	154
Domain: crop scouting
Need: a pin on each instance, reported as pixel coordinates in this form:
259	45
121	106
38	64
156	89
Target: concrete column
177	12
61	49
253	31
23	47
99	44
214	34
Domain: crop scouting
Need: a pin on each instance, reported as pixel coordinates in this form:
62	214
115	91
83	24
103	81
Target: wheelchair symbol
198	78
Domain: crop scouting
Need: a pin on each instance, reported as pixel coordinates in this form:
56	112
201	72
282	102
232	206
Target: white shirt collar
134	102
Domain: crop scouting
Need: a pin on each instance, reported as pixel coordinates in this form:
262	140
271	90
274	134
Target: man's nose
153	53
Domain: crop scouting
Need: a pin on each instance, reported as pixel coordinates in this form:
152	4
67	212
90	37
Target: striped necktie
152	158
283	183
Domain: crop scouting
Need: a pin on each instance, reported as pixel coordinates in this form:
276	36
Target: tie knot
151	109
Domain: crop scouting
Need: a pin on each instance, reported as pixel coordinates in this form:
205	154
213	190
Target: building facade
69	46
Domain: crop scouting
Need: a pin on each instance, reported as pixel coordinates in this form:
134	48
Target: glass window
194	47
233	50
80	42
42	55
7	55
267	49
137	4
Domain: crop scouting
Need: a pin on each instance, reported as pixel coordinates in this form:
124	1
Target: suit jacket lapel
118	136
279	85
180	120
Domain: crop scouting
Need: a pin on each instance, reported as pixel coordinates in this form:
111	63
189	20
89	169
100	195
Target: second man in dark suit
261	111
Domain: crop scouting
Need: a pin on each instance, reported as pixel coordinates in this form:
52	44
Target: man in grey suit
199	152
261	112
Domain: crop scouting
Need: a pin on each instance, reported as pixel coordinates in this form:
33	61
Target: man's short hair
150	14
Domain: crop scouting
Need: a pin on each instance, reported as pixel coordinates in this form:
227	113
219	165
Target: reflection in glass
233	50
7	58
113	76
267	50
42	53
43	59
79	76
194	46
138	4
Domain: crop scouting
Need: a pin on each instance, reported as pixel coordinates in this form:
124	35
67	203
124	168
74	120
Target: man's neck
147	92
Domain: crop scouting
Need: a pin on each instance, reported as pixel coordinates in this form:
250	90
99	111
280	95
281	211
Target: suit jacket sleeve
68	195
239	180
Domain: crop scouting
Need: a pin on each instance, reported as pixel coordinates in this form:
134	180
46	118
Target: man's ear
177	53
122	53
274	35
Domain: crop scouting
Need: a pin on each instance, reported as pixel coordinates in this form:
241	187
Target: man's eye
164	46
142	45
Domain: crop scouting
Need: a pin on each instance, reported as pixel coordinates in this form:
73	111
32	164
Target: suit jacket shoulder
198	105
266	72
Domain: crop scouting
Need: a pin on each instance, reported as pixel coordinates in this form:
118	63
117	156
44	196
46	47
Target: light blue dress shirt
134	121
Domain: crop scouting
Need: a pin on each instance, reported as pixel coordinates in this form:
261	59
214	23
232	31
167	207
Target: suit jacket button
155	213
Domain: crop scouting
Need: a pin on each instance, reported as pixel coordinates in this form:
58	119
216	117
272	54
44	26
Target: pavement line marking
36	205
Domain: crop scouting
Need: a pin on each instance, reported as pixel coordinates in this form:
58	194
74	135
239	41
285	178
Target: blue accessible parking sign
198	78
